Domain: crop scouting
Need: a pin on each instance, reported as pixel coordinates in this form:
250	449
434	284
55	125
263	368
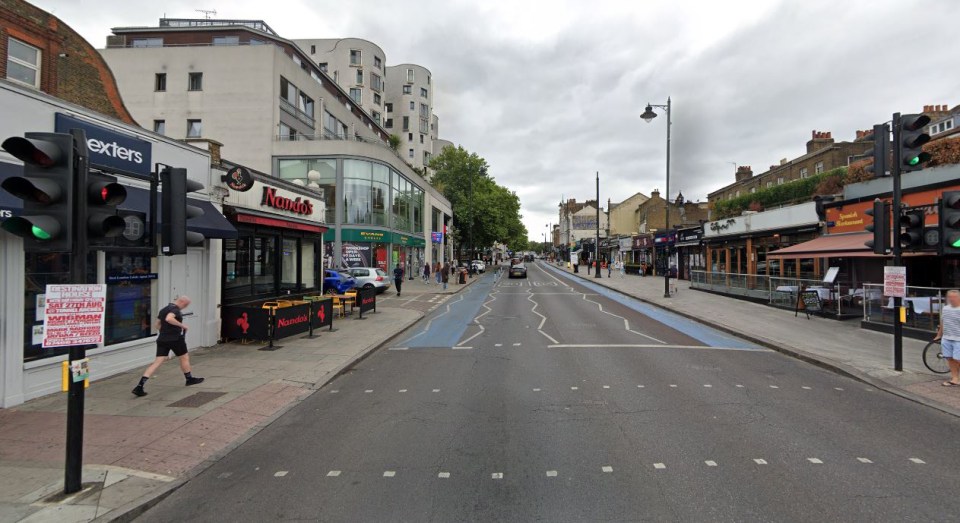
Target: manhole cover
196	400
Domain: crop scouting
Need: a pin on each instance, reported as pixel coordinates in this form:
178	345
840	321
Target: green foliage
794	192
394	142
484	212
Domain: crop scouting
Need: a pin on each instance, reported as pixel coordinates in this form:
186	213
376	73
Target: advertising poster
356	254
74	315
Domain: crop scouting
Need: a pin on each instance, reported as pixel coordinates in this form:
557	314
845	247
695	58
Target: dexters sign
110	149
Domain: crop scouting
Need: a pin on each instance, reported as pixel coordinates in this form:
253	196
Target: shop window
44	269
308	269
288	265
300	169
236	267
130	281
264	264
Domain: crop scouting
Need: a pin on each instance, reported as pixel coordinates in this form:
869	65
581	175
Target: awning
850	245
212	224
277	222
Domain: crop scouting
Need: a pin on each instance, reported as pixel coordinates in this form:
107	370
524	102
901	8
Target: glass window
226	40
413	105
417	205
355	57
356	95
377	62
410	153
804	173
194	128
424	111
308	269
288	91
159	126
160	82
236	267
406	123
358	207
305	104
376	99
264	264
327	180
375	82
409	76
23	63
380	195
359	76
44	269
818	168
129	299
407	89
195	82
424	125
148	42
288	264
388	107
423	92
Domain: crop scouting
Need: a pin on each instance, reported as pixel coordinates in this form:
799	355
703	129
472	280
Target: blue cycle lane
706	335
446	325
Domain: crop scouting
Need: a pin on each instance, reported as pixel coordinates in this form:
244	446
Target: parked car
518	271
478	265
370	277
337	282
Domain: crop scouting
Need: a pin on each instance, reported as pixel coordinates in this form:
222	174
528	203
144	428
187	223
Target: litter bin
463	277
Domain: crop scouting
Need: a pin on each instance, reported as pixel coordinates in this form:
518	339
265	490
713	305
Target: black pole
596	247
897	251
73	472
666	205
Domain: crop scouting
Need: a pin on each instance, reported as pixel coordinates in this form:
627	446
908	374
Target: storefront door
185	276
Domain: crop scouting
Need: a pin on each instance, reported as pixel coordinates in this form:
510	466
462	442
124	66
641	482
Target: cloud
550	92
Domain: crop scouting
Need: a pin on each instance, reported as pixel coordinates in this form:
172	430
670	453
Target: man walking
398	277
171	337
949	336
437	269
445	277
426	273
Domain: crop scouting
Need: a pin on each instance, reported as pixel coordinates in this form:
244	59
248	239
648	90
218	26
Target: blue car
337	282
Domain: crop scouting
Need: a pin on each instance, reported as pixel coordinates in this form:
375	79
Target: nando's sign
297	205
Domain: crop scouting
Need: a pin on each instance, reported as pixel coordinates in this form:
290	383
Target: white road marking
402	390
224	475
639	386
443	475
333	473
626	323
536	390
607	468
389	473
551	473
918	461
516	344
498	345
574	388
868	390
838	388
436	390
543	319
458	347
659	466
368	391
805	387
739	386
398	348
641	346
673	385
864	460
334	391
774	387
426	327
280	473
760	461
606	386
815	460
496	475
711	463
707	385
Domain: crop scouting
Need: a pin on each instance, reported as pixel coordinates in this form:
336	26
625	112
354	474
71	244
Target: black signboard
245	323
238	179
321	313
810	300
367	299
291	320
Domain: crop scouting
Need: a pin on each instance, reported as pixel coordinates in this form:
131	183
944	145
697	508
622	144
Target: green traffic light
39	233
956	243
913	161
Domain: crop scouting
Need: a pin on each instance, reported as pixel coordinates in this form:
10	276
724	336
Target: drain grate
196	400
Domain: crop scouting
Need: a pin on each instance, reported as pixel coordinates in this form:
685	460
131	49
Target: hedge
794	191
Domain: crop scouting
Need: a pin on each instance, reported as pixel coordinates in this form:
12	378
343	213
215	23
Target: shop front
664	252
689	251
642	252
365	248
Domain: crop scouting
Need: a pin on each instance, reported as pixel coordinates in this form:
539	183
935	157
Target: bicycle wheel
933	359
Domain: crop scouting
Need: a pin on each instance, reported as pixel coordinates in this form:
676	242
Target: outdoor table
347	299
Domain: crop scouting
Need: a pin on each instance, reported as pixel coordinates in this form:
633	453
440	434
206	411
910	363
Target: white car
368	277
478	265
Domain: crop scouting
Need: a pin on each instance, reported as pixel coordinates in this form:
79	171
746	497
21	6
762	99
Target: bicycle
933	358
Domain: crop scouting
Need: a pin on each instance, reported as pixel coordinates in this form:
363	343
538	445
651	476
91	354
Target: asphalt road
548	399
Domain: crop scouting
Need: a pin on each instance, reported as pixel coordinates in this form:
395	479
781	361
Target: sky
550	92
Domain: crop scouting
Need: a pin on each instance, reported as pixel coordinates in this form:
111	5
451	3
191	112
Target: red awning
850	245
274	222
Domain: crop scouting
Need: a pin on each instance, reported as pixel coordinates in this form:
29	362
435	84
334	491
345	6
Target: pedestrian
446	275
170	337
437	269
620	268
398	276
609	269
426	273
949	336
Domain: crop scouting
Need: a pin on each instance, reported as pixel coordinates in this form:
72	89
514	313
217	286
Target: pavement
553	399
138	450
841	346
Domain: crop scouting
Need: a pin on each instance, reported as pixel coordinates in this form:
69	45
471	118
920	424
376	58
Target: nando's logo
299	205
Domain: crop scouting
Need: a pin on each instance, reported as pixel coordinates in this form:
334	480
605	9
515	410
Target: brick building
650	215
823	154
43	53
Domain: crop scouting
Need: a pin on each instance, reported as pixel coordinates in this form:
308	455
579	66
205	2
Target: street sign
74	315
895	282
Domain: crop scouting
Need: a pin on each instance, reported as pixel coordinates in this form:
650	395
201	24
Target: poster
74	315
895	282
80	369
356	254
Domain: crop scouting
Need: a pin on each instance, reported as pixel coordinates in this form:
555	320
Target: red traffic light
35	152
104	192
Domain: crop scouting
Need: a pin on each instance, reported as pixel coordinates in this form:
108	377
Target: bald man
171	338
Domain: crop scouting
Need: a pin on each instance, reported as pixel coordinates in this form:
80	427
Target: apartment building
409	111
356	65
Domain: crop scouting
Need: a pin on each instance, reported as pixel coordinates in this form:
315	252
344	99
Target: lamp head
648	114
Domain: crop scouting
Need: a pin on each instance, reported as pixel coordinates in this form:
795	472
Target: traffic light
174	237
103	196
46	189
949	223
880	227
911	229
912	137
880	152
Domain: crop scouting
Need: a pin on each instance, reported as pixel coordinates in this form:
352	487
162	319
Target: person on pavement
398	277
171	337
437	269
426	273
445	277
949	336
609	269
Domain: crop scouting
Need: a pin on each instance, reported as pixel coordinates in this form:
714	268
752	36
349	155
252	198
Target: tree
484	212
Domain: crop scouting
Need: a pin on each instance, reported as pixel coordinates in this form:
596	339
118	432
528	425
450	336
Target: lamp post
596	246
649	115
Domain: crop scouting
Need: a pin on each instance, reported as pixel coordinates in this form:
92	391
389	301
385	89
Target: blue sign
436	237
109	149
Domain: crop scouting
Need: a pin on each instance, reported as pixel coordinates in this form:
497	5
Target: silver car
368	277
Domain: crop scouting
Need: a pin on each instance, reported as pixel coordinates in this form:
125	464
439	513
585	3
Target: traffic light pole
897	250
73	474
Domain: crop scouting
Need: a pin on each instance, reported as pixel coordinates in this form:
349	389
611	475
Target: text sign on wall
110	149
276	200
895	282
74	315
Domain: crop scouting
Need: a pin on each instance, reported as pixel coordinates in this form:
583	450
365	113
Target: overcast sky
550	92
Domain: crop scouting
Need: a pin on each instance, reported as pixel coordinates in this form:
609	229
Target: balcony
292	110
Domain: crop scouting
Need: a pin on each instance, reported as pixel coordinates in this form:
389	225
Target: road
553	399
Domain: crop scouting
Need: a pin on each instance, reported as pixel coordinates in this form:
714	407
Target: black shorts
179	347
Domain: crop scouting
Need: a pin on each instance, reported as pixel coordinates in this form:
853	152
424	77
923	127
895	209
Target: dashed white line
460	347
389	473
402	390
759	461
280	473
659	466
711	463
864	460
436	390
673	385
838	388
606	386
640	386
607	468
805	387
574	388
551	473
816	461
536	390
516	344
368	391
707	385
739	386
334	391
398	348
774	387
918	461
333	473
496	475
498	345
443	475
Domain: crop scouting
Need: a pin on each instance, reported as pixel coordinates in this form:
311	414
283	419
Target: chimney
819	140
655	194
783	161
744	172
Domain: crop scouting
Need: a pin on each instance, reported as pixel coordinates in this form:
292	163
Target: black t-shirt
170	332
398	274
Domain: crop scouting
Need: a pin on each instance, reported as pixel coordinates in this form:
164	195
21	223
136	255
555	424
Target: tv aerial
207	12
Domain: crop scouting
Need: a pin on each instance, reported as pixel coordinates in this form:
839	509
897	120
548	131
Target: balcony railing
295	111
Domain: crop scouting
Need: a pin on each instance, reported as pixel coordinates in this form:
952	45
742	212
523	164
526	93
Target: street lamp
649	115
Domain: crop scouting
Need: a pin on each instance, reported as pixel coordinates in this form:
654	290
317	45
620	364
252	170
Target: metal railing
923	306
779	291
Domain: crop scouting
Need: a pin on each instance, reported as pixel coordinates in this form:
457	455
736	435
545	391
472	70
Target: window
195	82
428	79
359	76
753	190
376	117
288	264
738	194
376	83
296	60
424	111
305	104
128	298
23	63
355	57
286	132
377	62
160	82
194	128
388	107
356	94
410	153
423	92
424	126
780	180
226	40
313	49
322	66
406	123
426	158
159	126
409	76
413	106
409	137
288	92
388	123
147	42
315	76
804	173
421	138
818	168
376	99
769	185
407	89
